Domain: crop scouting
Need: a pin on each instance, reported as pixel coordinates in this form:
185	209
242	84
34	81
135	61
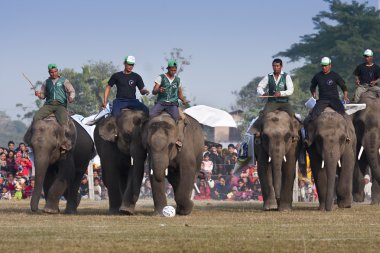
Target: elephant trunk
277	155
330	159
159	163
371	149
41	165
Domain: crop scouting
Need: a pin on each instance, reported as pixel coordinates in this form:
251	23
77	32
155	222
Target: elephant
58	174
122	156
276	152
180	166
367	128
332	152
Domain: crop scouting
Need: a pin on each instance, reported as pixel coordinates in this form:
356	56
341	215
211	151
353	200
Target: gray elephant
181	167
277	151
122	155
332	152
58	174
367	127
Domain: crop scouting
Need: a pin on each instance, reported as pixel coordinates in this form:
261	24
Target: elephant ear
108	129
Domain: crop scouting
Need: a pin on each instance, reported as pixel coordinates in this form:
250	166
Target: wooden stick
34	88
272	96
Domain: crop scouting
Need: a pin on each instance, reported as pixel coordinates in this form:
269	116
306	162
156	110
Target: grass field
212	227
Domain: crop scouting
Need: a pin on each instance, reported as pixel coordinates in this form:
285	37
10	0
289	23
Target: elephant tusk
379	151
323	164
269	159
166	172
131	160
285	158
151	171
360	152
196	188
339	164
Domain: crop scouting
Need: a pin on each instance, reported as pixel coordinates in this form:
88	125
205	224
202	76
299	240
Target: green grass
212	227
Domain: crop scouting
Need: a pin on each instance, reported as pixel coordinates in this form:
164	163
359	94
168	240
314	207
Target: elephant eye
287	136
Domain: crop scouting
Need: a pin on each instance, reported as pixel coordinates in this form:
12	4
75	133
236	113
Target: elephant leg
133	187
51	175
288	176
320	177
344	187
185	186
357	181
59	185
173	178
158	192
72	195
375	192
265	175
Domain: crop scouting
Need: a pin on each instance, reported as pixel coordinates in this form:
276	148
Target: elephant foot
128	210
70	211
375	202
285	208
270	205
113	211
185	209
358	197
158	211
51	210
344	204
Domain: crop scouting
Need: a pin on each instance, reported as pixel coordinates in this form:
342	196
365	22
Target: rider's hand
372	83
104	105
144	92
37	93
161	90
71	100
277	94
357	82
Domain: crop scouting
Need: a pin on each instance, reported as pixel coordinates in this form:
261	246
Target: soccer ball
168	211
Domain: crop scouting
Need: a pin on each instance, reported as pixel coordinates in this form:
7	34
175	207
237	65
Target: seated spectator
23	164
10	183
206	165
3	164
11	162
205	149
146	188
29	189
19	187
256	189
204	191
243	192
22	149
221	189
367	187
302	190
11	146
97	189
6	194
217	161
83	188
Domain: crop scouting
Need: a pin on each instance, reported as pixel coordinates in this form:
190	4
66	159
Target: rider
367	75
280	86
126	82
327	82
168	88
57	90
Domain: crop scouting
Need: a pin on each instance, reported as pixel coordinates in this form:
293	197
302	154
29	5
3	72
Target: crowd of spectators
215	180
16	181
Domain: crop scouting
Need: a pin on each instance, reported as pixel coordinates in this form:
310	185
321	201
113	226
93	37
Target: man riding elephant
57	90
367	75
168	88
280	86
327	82
126	82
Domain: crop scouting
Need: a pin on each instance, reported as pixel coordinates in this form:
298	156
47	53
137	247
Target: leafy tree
342	33
10	129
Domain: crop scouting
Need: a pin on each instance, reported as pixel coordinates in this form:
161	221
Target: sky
230	42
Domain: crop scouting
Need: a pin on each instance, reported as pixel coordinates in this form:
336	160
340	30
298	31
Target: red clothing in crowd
205	192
